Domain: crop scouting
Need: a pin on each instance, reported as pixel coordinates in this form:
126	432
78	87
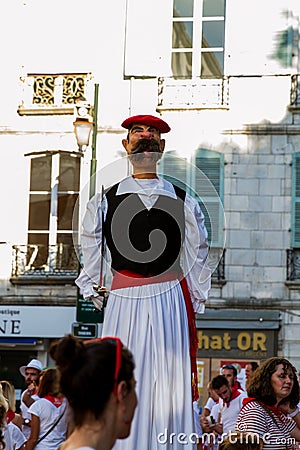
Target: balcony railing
192	94
52	93
43	264
295	91
58	264
293	264
216	261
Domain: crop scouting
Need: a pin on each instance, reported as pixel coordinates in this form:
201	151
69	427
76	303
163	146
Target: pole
94	143
85	309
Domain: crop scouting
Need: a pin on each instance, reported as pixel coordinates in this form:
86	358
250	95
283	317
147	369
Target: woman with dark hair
49	419
97	379
271	410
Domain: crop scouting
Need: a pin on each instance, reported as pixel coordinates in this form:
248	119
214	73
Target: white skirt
151	321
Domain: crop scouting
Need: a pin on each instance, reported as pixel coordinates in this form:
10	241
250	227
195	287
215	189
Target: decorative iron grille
40	261
293	264
196	93
295	90
216	260
52	93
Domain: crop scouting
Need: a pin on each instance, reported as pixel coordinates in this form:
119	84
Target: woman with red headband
97	379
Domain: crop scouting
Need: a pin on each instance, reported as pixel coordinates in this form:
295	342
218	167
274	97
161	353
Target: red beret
155	122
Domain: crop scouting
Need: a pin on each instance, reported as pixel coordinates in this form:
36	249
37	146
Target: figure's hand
98	302
100	299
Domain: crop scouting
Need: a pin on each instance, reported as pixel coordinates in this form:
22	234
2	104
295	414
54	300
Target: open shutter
208	183
296	201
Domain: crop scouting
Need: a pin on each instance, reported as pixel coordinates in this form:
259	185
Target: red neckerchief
272	409
57	401
234	394
10	415
236	386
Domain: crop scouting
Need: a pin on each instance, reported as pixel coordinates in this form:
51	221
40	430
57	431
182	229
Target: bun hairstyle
87	373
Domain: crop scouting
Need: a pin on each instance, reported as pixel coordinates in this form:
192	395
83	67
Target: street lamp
85	122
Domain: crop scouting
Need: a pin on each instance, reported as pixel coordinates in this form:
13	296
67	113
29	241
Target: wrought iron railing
293	264
196	93
295	91
216	261
40	261
52	93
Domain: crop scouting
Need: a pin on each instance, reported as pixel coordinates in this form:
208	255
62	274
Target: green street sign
85	311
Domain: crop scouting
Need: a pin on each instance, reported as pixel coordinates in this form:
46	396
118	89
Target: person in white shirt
31	372
158	244
226	411
49	417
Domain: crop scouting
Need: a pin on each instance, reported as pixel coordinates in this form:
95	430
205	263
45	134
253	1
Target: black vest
147	242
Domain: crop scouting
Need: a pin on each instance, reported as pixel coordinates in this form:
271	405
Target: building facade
225	75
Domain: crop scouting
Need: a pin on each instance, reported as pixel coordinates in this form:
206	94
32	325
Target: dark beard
146	145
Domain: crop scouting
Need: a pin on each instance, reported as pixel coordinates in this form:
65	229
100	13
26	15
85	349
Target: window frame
197	49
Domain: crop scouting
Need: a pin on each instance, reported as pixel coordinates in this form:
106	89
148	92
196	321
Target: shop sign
237	343
32	321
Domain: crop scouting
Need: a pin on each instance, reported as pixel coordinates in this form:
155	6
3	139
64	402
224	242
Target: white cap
34	363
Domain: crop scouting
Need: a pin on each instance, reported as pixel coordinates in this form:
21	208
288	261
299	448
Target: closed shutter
296	201
208	182
175	170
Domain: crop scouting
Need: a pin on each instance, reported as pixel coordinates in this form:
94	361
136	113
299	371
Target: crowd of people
88	402
263	415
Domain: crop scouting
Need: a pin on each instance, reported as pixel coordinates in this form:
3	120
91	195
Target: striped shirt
275	431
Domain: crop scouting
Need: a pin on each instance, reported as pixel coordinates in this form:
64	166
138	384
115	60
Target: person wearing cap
31	373
158	245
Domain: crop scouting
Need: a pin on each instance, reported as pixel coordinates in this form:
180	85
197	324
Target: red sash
126	278
57	401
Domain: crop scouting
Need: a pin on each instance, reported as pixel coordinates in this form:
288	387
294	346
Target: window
198	37
54	189
52	218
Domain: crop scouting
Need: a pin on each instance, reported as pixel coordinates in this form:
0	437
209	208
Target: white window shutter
148	39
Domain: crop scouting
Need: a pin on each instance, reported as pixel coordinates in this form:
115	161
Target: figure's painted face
144	145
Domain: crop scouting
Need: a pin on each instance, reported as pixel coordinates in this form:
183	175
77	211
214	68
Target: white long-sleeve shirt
195	248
